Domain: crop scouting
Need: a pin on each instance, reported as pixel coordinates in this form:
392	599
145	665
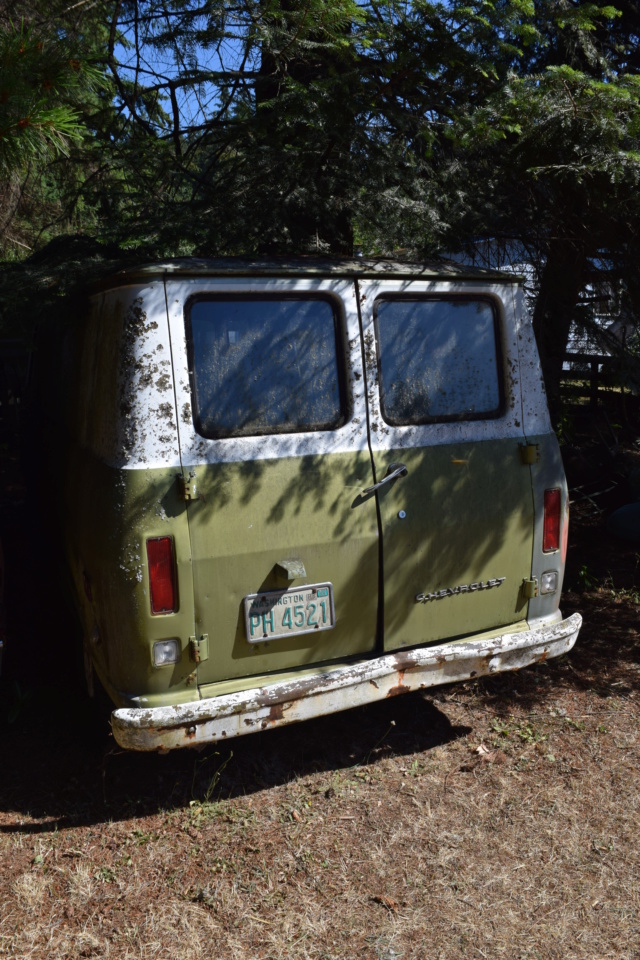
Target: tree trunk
561	281
325	224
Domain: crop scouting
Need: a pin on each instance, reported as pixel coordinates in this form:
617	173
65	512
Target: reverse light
166	651
551	527
161	575
549	582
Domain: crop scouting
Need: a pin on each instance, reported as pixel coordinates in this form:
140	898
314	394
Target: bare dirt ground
499	818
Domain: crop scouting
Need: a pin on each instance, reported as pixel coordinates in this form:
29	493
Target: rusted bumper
332	690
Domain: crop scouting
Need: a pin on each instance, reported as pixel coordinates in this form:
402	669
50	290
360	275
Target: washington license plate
287	613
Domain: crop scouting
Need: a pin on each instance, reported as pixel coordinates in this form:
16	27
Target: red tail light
551	529
161	575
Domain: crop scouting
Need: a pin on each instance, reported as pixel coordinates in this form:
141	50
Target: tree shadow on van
457	531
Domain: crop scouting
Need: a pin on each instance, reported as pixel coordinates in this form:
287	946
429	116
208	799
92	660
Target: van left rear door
270	391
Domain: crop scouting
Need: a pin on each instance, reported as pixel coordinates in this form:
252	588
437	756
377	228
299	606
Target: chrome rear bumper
339	688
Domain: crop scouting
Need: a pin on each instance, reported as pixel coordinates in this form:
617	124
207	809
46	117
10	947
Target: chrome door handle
394	470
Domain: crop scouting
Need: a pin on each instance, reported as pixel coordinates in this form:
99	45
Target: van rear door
455	498
273	435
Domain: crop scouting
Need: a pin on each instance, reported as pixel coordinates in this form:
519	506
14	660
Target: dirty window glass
264	366
438	360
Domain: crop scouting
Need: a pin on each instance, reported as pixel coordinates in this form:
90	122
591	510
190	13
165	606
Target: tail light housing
162	576
551	526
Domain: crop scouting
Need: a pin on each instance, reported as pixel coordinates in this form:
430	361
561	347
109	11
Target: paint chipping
290	701
166	410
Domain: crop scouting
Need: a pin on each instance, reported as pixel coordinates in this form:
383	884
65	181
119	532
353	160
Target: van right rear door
454	493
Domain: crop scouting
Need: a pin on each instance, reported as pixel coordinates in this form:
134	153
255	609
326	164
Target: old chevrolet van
291	487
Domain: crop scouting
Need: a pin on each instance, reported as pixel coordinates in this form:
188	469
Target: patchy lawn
498	818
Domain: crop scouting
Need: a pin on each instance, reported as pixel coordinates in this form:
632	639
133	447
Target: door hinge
199	648
530	588
529	453
187	486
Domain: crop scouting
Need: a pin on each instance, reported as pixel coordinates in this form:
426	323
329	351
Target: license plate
288	613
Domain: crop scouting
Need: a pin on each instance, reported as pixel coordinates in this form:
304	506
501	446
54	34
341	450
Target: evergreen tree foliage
36	81
48	84
551	165
250	126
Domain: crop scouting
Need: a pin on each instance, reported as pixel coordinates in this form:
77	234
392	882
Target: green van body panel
253	515
468	521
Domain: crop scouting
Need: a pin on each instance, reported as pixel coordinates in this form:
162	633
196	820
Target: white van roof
352	267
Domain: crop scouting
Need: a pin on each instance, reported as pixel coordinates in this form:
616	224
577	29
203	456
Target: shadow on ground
61	771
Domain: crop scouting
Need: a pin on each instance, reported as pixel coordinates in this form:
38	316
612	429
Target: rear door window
438	360
263	365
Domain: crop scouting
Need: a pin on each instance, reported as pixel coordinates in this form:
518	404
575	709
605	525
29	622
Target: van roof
354	267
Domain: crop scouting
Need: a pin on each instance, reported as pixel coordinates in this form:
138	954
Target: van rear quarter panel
547	470
121	488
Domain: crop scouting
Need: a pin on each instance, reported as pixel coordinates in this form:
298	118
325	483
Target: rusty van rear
292	487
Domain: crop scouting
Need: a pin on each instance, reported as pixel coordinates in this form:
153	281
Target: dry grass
495	820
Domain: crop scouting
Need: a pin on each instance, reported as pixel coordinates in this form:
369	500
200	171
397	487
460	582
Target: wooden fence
594	370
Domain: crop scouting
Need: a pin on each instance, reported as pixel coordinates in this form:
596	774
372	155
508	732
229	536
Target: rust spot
543	656
190	732
400	687
374	684
276	713
396	691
